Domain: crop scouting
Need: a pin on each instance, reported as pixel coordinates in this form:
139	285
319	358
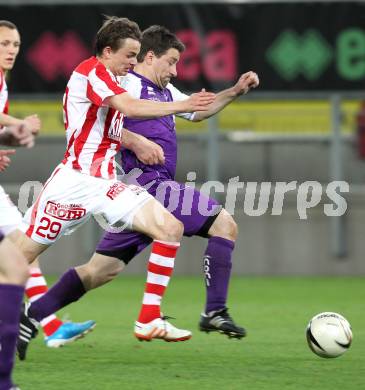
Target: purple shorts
194	209
1	235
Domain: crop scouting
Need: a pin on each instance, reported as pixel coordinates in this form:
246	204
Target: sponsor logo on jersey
136	189
115	190
65	212
115	130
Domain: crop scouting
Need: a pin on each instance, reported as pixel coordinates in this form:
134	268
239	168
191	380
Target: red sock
160	267
34	289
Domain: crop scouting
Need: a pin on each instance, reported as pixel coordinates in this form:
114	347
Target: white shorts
69	198
10	216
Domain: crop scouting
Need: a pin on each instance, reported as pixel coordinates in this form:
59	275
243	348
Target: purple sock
217	270
11	298
68	289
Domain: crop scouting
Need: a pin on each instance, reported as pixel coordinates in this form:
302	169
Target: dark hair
158	39
6	23
114	31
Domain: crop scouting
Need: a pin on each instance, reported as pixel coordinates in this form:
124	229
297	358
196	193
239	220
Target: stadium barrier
311	137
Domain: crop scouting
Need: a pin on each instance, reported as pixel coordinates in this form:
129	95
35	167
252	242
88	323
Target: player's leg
46	221
165	232
56	332
130	207
160	224
113	252
217	262
36	285
124	245
28	326
143	214
13	275
75	282
65	334
203	216
10	221
210	221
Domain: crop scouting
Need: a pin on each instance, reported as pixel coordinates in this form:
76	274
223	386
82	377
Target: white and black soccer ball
329	334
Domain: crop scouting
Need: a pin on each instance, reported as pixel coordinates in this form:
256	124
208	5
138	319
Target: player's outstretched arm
18	135
19	132
140	108
245	83
4	159
32	122
8	120
145	150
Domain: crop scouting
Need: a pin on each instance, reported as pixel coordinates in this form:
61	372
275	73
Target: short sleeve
178	96
101	85
133	85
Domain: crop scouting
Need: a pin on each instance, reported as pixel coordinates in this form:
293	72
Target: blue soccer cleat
69	332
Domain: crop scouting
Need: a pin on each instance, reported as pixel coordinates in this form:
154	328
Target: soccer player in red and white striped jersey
21	132
85	183
94	106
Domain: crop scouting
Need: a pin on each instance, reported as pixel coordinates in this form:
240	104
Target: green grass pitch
274	356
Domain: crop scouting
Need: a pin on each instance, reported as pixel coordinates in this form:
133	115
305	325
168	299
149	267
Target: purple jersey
195	210
160	130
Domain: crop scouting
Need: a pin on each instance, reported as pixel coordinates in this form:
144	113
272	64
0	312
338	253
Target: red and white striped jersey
4	102
93	129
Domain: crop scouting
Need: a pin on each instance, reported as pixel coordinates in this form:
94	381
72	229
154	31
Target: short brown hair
6	23
114	31
158	39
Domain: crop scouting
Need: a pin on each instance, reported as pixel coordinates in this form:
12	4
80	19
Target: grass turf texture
274	356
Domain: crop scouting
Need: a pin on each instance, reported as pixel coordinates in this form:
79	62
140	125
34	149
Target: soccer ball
329	335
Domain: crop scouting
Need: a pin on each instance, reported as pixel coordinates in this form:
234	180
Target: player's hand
149	152
33	123
246	82
199	101
21	135
4	159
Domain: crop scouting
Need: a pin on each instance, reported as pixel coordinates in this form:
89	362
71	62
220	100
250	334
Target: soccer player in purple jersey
13	276
157	60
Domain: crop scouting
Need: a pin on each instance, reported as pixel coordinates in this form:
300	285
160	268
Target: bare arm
146	151
21	133
8	120
246	82
142	109
17	136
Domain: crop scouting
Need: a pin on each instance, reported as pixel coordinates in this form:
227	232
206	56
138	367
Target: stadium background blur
304	123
